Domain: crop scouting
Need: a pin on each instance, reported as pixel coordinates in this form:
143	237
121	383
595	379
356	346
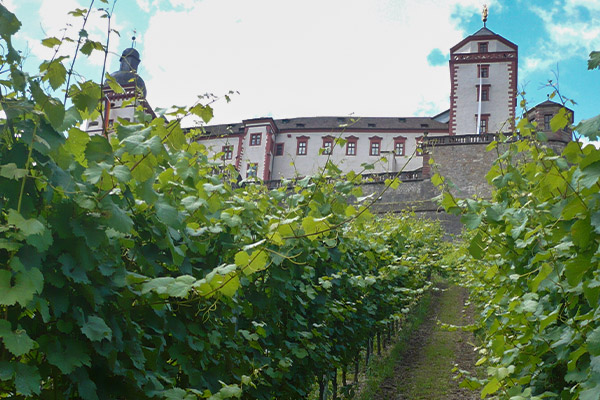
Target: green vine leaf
96	329
9	24
251	263
17	342
68	358
51	42
26	284
594	61
11	171
27	379
593	342
29	226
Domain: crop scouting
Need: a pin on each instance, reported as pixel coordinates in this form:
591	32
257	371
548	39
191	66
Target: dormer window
483	47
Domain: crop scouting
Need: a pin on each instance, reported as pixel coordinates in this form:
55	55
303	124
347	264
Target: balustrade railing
459	139
405	176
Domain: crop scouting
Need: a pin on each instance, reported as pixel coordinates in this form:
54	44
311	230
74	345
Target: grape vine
134	266
534	269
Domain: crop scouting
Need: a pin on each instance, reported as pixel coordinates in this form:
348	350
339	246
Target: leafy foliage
131	268
534	268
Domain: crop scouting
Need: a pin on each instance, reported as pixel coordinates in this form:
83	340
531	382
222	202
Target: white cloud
54	20
573	29
148	5
10	5
304	58
183	3
143	4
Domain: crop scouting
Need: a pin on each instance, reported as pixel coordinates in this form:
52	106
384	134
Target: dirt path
424	369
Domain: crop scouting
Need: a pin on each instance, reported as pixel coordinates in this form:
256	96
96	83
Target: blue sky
291	58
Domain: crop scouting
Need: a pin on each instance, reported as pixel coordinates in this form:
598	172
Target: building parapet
375	178
459	139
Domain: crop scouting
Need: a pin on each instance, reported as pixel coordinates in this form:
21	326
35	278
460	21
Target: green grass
382	368
432	377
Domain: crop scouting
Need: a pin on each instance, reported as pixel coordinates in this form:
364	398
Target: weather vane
484	14
133	38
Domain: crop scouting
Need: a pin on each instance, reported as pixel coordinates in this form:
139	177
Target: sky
299	58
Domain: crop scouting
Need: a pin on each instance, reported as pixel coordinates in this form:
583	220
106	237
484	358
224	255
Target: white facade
278	149
483	73
483	62
486	64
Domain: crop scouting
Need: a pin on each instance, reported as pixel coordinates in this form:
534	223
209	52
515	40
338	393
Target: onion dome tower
127	75
122	104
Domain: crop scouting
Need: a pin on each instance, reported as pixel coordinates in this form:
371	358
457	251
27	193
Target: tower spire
484	14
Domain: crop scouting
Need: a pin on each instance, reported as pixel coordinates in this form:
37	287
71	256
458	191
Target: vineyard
135	267
132	265
531	263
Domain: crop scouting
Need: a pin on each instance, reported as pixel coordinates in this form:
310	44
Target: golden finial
484	14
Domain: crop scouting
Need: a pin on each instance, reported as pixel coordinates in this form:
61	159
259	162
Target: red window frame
327	145
400	142
485	94
351	145
227	152
483	71
279	149
255	139
483	47
302	145
484	123
375	146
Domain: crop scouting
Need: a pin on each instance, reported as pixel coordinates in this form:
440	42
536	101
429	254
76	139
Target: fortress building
483	99
483	73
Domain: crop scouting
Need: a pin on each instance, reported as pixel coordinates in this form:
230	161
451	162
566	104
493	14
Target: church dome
127	73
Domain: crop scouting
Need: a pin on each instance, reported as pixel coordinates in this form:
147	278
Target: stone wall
464	164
